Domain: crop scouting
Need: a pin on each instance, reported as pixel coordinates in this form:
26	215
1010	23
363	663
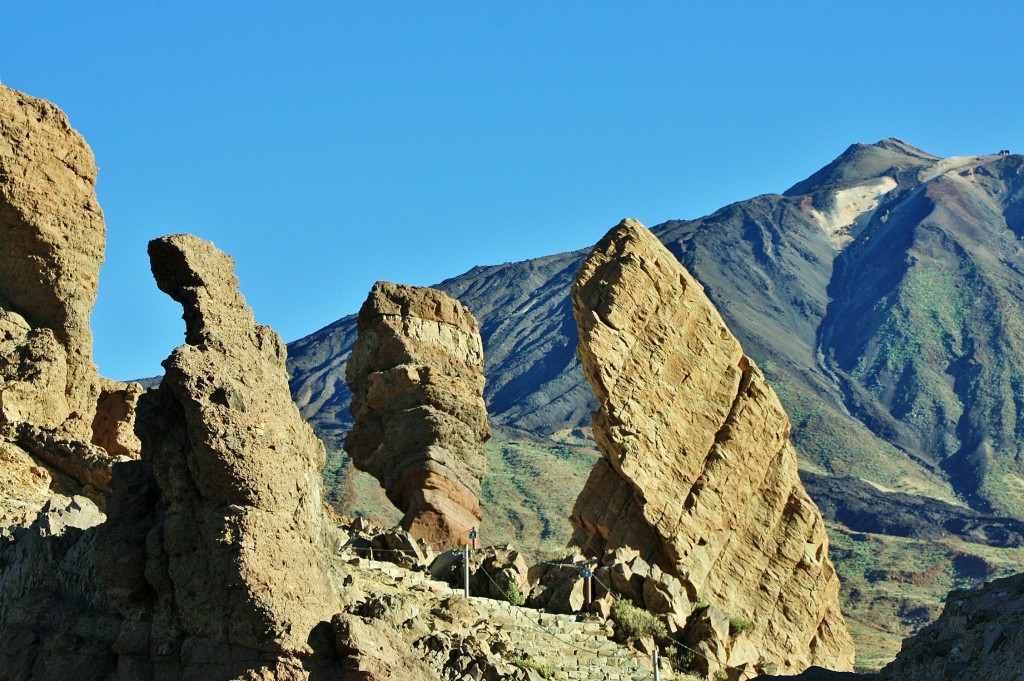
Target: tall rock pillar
214	549
697	470
52	235
416	374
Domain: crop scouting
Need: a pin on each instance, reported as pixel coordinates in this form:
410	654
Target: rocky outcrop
113	427
213	553
55	622
53	234
698	473
53	237
416	374
979	635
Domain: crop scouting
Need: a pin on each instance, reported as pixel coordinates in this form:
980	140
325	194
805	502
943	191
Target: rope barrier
546	630
524	611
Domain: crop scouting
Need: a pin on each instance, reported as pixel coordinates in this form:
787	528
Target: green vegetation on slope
528	493
892	586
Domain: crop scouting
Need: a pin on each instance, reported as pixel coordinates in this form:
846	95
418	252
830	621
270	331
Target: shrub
633	623
513	595
738	625
544	670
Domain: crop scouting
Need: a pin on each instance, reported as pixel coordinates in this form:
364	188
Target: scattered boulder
559	586
416	373
375	653
698	474
393	545
497	572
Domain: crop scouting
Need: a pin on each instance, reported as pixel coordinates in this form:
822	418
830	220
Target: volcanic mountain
882	296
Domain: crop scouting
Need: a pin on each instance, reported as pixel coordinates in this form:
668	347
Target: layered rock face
416	374
698	473
214	548
53	236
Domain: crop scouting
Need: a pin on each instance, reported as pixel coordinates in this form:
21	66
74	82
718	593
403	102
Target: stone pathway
574	650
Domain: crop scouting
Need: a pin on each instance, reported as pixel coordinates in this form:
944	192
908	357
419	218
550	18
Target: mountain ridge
882	296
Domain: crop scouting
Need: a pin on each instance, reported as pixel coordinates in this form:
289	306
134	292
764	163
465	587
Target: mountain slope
882	296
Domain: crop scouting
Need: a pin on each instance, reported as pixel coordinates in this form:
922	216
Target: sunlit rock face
697	471
213	553
416	374
53	237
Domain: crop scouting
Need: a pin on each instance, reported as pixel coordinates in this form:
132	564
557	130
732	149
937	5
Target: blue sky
326	145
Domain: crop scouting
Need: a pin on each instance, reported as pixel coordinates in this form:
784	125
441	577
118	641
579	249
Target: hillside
882	297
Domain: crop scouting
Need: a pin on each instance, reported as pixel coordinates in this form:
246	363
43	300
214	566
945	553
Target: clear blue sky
326	145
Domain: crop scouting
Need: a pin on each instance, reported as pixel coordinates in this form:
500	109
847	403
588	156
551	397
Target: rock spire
416	375
222	519
697	470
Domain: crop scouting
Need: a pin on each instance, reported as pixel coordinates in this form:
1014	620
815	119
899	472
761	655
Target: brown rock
86	463
416	374
53	237
560	587
223	515
24	487
375	653
979	635
113	427
698	473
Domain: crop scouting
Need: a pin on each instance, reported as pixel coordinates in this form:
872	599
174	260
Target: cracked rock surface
697	471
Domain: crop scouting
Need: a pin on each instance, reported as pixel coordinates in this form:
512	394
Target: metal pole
465	569
657	666
588	575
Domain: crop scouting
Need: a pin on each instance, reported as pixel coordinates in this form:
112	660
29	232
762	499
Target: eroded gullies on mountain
216	558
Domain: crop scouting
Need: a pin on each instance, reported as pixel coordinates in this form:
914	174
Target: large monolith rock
53	236
213	551
416	374
697	471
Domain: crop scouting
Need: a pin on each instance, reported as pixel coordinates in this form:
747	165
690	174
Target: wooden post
473	536
465	569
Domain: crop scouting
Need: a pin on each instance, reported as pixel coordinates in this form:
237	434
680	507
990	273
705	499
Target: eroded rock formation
698	473
416	374
53	236
214	548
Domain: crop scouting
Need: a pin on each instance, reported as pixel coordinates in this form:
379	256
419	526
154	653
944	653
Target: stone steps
575	650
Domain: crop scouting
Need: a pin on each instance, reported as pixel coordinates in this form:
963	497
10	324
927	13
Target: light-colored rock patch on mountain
849	208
